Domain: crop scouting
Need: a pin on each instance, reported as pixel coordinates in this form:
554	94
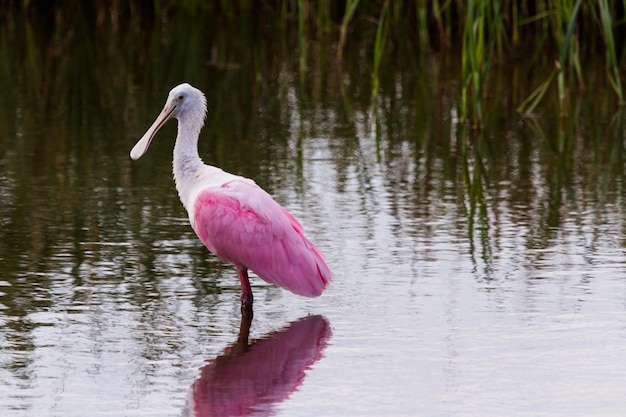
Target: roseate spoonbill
236	219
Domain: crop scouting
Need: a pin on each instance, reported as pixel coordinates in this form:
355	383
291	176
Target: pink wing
241	224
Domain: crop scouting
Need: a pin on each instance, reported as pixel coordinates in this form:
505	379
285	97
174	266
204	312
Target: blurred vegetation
549	34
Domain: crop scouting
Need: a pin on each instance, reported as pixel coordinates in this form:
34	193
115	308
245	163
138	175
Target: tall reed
564	25
613	67
345	22
481	19
488	31
421	9
303	8
568	47
379	44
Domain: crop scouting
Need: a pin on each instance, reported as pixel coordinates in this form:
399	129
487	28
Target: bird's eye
181	97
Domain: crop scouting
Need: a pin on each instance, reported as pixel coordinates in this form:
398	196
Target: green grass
479	35
607	25
483	34
351	6
379	45
489	32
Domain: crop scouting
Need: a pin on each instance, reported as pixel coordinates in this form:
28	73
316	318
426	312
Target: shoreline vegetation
558	36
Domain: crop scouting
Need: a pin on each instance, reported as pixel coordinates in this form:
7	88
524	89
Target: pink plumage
241	224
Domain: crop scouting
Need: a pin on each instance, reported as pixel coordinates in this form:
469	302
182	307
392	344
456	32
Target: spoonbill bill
236	219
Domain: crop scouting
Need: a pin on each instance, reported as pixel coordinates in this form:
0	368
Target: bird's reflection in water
250	378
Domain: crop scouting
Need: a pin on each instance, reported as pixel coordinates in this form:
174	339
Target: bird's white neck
187	163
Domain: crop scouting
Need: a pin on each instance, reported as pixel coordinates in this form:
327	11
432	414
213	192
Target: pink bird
236	219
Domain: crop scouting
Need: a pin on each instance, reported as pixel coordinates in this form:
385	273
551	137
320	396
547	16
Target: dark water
476	273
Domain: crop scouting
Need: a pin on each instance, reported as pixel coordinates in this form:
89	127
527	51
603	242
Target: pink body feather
241	224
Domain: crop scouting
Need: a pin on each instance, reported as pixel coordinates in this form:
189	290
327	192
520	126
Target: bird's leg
246	292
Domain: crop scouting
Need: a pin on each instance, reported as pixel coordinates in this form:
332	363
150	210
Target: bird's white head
185	103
